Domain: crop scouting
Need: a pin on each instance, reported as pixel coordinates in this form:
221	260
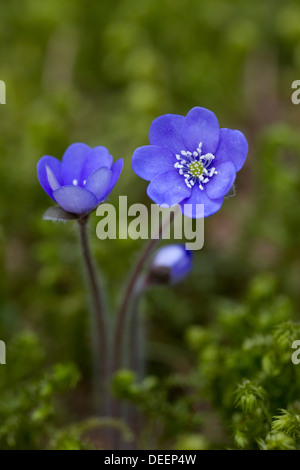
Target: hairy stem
99	327
136	345
121	318
122	314
136	333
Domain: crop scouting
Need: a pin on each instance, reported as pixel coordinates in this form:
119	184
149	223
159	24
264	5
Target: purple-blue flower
190	161
83	178
171	264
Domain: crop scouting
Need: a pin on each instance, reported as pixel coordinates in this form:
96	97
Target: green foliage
288	422
243	378
249	397
250	375
165	405
74	437
29	411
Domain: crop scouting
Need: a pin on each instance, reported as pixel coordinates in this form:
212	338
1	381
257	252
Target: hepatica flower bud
171	264
190	161
83	178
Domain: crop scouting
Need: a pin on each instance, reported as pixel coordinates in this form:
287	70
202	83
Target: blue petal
219	185
232	147
168	256
75	199
182	267
176	258
165	131
168	188
189	206
53	183
201	125
152	160
96	158
73	161
98	182
55	166
116	171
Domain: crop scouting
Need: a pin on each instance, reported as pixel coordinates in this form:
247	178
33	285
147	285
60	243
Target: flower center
195	167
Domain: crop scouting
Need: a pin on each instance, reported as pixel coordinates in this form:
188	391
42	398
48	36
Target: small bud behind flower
171	264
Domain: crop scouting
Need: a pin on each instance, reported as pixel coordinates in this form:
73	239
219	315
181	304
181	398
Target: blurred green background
219	346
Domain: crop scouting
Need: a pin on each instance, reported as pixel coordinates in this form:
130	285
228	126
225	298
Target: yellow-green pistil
195	168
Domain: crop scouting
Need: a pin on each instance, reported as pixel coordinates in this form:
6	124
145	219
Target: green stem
122	314
136	332
99	327
136	346
121	318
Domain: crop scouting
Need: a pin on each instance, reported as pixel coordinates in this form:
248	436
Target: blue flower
82	180
171	264
190	160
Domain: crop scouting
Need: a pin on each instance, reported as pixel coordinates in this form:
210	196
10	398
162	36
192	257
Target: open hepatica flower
83	178
190	161
171	264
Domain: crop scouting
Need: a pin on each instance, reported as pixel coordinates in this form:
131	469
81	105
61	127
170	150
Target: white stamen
75	182
195	167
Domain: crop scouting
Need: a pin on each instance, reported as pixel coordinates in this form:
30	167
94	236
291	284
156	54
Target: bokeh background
219	345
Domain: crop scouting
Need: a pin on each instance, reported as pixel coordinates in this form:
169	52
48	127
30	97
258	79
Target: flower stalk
98	321
120	327
135	276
